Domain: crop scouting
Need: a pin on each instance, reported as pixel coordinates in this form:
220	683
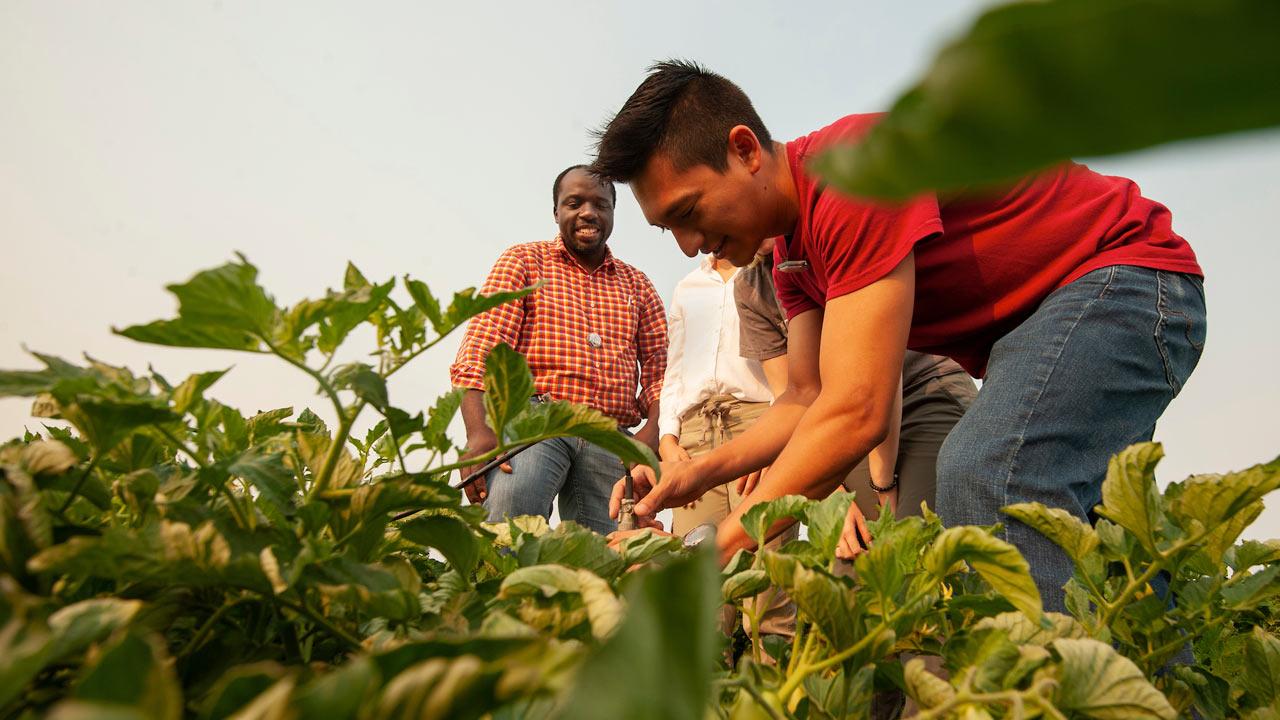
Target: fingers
653	500
615	497
753	479
506	468
683	454
845	550
740	485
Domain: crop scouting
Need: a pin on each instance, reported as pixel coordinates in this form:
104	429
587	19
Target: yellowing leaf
1098	682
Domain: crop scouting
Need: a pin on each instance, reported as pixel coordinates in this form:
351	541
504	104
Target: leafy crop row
164	555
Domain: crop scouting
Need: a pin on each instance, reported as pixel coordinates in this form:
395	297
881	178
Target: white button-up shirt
702	349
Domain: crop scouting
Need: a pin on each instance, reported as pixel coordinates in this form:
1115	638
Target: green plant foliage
1035	83
166	556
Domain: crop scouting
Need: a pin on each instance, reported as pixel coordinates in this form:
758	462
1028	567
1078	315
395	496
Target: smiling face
584	212
727	214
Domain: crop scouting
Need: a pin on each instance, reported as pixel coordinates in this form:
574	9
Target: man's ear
744	147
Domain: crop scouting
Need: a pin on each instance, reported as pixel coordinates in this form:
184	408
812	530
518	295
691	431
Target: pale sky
143	141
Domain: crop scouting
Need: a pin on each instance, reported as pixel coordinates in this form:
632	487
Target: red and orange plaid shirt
589	337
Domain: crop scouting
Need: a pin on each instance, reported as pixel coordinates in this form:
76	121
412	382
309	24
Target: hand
477	446
748	482
680	485
670	451
855	537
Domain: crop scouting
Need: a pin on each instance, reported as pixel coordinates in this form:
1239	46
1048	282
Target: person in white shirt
709	394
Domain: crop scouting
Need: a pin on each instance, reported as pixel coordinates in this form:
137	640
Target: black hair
682	109
555	186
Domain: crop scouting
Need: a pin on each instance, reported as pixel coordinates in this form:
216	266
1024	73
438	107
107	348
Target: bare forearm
648	432
755	448
882	461
473	414
829	439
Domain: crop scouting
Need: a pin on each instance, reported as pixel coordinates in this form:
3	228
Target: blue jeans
1085	376
580	473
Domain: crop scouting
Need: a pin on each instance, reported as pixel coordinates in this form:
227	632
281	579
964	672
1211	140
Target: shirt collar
609	264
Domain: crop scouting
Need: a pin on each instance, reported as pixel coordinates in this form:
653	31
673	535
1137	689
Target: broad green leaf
426	302
104	422
825	520
572	545
227	298
998	562
82	710
760	517
275	483
267	424
340	694
927	689
658	663
47	457
1246	592
823	598
1098	682
271	704
466	304
1224	504
238	687
984	657
185	333
744	584
442	413
1253	552
447	534
1129	494
645	546
1024	632
191	391
362	380
28	383
1261	677
1065	530
604	610
508	386
136	671
1035	83
560	419
841	695
430	690
75	626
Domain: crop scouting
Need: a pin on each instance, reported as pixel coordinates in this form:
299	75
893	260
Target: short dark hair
682	109
555	186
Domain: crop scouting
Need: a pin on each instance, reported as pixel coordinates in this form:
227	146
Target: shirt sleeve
860	241
501	324
760	321
668	419
651	345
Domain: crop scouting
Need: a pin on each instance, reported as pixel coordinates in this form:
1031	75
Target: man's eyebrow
688	198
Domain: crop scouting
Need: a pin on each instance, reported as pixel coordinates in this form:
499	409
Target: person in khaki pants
710	393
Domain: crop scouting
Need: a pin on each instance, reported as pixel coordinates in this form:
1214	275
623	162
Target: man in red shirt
593	332
1068	292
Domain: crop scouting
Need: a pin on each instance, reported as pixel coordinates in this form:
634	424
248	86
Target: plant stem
75	489
342	635
197	639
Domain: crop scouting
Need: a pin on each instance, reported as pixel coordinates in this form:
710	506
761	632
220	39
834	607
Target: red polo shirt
983	262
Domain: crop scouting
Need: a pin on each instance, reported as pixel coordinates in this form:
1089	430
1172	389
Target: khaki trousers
702	430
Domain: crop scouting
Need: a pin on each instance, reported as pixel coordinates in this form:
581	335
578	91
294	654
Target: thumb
651	503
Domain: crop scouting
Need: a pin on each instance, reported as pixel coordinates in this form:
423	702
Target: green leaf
1023	631
364	381
562	419
1061	527
1253	552
47	457
1261	677
998	562
569	544
841	695
452	537
267	424
435	434
104	422
984	657
227	298
760	517
1032	84
184	333
825	520
927	689
1129	494
644	546
658	663
1098	682
1224	503
238	687
191	391
426	302
508	386
466	304
747	583
1245	592
340	694
276	483
823	598
28	383
604	610
134	670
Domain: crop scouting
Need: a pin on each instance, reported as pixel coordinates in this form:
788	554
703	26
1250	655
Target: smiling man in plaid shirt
592	334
